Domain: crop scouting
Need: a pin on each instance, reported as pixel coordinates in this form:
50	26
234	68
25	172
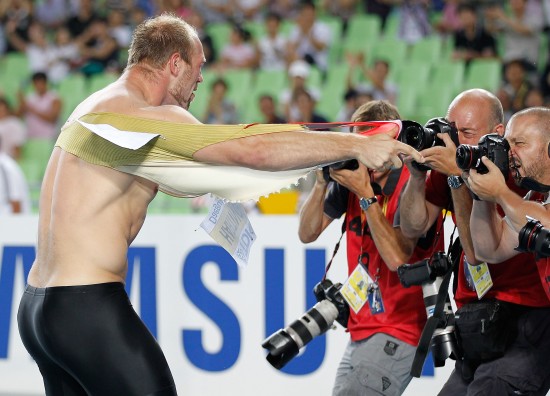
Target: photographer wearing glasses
485	294
386	328
495	238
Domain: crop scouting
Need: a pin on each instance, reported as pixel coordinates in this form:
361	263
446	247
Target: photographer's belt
162	152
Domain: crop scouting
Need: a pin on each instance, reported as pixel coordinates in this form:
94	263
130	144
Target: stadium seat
428	50
239	82
406	102
16	65
100	81
393	51
363	28
220	32
449	73
72	90
413	74
35	155
433	103
484	73
391	29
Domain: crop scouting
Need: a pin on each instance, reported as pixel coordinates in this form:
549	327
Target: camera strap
438	314
336	247
431	325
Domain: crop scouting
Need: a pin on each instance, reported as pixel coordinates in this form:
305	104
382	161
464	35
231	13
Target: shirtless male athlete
75	318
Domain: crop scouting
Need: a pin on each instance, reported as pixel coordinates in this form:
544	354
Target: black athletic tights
88	340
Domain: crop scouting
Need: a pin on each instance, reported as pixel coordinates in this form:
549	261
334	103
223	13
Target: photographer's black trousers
88	340
523	370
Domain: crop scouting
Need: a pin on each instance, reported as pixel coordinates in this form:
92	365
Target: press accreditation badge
355	288
478	277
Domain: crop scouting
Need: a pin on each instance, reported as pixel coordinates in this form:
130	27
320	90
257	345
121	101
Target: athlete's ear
175	63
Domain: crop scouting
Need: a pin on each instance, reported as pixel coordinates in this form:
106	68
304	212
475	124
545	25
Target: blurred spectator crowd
271	61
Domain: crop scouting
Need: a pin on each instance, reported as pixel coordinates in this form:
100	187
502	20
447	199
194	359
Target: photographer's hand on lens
442	158
413	170
488	186
357	181
382	151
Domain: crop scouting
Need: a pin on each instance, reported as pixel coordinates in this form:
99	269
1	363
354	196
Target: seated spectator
214	11
377	84
41	109
516	85
520	29
472	41
534	98
269	110
249	10
382	8
82	20
342	9
306	107
220	110
350	105
239	53
287	9
298	72
51	13
19	14
14	190
414	22
12	131
271	49
119	29
197	21
450	22
177	7
98	49
310	39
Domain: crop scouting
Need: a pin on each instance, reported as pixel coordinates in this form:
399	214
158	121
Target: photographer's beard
533	172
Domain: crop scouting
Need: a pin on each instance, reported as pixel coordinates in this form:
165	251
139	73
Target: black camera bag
485	329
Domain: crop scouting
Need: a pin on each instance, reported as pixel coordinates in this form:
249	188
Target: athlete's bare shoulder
121	99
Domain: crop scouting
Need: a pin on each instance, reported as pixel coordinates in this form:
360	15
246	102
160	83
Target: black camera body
352	164
429	274
422	137
493	146
286	343
423	271
534	238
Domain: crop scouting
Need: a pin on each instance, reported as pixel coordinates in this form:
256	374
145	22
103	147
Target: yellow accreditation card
481	278
355	288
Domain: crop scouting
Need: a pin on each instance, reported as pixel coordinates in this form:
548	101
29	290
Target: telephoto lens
285	344
534	238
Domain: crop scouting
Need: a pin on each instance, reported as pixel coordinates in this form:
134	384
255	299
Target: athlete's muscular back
90	214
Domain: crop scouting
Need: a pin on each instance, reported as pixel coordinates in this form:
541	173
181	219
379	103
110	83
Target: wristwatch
365	203
455	182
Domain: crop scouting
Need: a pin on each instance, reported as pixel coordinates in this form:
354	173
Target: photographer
475	113
528	368
387	328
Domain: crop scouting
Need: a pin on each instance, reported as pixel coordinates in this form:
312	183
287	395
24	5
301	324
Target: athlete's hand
383	152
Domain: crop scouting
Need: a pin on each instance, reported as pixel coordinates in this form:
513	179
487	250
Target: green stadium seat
391	29
413	74
406	102
368	27
270	81
433	103
100	81
239	82
428	50
450	73
72	91
35	155
484	73
16	66
393	51
220	32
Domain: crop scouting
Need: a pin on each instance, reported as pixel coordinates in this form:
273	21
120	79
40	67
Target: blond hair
156	39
